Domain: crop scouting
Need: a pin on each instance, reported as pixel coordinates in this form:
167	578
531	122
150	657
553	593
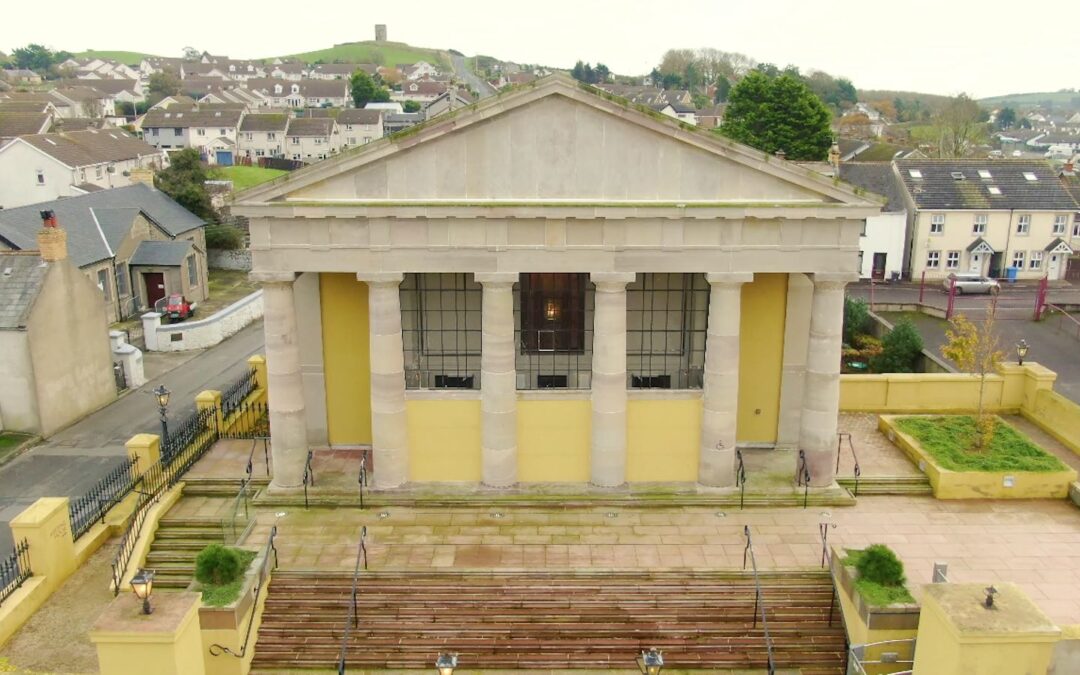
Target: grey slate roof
21	278
181	119
939	189
160	253
113	211
92	146
310	126
359	116
876	177
264	122
17	124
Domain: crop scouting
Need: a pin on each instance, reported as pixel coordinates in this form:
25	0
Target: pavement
1016	301
478	84
73	460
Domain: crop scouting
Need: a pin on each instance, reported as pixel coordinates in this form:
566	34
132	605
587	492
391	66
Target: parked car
177	308
972	283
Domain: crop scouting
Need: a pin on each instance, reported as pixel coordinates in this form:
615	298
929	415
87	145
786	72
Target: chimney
142	175
52	240
834	158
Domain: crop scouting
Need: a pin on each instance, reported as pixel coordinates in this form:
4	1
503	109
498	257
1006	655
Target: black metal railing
740	478
15	569
92	507
826	561
309	476
840	437
270	548
197	429
250	419
759	600
362	478
353	619
802	477
250	467
235	393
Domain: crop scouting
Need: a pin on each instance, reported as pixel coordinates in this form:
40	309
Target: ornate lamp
1021	351
446	663
551	309
142	585
651	662
162	396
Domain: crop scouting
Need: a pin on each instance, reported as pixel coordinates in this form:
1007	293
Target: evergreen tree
364	90
723	89
778	113
902	347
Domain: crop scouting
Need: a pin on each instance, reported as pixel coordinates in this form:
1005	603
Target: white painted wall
203	332
18	400
19	165
884	234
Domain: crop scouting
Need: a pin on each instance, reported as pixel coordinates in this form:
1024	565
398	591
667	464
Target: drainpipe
1008	240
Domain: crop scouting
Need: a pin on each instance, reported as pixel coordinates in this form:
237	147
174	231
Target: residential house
134	242
302	94
159	64
20	76
339	71
82	101
42	167
244	70
418	70
197	69
388	107
420	90
262	135
359	126
450	100
293	72
882	244
1000	217
395	122
245	98
193	128
684	112
174	101
711	117
55	361
121	90
311	139
19	117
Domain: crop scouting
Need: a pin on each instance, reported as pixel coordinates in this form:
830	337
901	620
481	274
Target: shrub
217	564
856	318
880	565
902	347
224	237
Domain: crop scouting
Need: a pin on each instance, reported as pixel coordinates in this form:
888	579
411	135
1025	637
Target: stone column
498	382
716	459
285	386
609	379
821	394
389	427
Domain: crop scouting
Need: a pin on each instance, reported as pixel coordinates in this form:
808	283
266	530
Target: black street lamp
162	395
1021	351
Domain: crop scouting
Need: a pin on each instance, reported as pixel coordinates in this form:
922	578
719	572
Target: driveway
69	463
476	83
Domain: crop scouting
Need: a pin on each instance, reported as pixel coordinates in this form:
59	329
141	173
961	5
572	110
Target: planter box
950	484
233	615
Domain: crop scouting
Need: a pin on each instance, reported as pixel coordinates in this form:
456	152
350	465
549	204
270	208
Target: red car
177	308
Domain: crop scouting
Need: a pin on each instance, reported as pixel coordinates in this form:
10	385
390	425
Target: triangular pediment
557	142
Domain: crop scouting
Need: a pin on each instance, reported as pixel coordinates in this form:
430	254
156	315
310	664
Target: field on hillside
1069	99
127	58
389	53
244	177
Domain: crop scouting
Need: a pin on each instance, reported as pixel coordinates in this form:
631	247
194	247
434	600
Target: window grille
666	322
441	323
553	327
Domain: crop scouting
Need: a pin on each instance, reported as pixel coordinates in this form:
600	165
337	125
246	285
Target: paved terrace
1035	544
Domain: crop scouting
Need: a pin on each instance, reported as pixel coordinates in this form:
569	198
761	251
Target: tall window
554	325
980	225
937	223
1023	224
933	259
441	323
192	272
952	260
666	321
122	280
1059	224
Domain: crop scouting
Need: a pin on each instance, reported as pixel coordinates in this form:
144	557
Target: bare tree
959	127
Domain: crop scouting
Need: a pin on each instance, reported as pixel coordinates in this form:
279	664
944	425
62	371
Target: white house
43	167
388	107
359	126
423	91
262	135
881	246
302	94
418	70
169	130
310	139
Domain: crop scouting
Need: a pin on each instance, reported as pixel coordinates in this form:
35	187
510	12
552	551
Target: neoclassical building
554	285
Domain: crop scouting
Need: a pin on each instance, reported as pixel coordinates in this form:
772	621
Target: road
474	82
1016	301
73	460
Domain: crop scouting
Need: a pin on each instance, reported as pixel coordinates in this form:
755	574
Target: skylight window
1030	176
984	174
957	175
915	173
994	190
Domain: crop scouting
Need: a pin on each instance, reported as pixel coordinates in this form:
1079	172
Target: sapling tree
974	348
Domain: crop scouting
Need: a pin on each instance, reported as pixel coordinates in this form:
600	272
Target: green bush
880	565
218	565
224	237
902	348
856	318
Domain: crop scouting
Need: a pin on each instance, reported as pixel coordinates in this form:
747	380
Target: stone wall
239	259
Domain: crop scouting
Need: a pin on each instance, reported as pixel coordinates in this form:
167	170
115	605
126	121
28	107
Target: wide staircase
176	543
888	485
557	621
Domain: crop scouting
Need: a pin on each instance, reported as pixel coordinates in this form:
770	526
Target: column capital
381	278
612	281
495	278
272	277
730	278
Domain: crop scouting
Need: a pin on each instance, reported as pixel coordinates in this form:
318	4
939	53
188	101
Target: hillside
127	58
930	101
388	53
1069	99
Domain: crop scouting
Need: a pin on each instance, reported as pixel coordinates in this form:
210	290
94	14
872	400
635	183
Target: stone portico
552	286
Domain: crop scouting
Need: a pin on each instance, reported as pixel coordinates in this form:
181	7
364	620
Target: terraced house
210	130
554	287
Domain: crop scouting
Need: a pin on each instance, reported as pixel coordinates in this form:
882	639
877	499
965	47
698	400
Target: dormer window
277	88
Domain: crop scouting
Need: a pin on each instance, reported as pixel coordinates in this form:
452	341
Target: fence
198	429
91	507
15	569
235	393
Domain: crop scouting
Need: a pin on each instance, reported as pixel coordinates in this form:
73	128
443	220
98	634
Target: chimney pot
51	239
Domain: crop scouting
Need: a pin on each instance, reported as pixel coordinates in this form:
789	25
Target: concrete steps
550	621
219	487
888	485
176	544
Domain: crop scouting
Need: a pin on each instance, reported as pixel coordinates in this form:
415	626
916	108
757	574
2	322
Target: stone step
208	533
888	485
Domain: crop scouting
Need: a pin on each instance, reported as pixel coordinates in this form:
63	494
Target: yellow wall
1058	416
554	440
662	440
444	440
761	361
346	358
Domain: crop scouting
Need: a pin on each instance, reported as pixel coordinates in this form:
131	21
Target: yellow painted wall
444	440
662	440
761	360
1058	416
346	358
553	441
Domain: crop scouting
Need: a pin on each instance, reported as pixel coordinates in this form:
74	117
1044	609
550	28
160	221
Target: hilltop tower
380	32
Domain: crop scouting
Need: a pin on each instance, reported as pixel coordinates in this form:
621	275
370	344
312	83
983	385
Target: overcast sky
937	46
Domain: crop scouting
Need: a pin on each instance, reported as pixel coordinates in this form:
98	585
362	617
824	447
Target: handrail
91	507
251	455
362	478
1065	315
309	476
353	620
240	505
759	601
802	477
839	447
740	477
826	558
255	604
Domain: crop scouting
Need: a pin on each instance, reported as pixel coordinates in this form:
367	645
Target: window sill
664	394
554	394
442	394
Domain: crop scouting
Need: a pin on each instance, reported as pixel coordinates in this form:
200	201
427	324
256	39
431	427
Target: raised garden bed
1012	466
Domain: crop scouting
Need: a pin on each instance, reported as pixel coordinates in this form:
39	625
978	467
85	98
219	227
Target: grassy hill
127	58
930	101
1067	99
388	53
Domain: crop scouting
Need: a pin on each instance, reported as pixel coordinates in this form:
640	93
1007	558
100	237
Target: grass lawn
873	593
244	177
219	596
949	440
391	53
226	287
127	58
9	441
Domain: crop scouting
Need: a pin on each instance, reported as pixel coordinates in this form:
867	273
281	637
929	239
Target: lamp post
446	663
162	396
1021	351
142	585
651	662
